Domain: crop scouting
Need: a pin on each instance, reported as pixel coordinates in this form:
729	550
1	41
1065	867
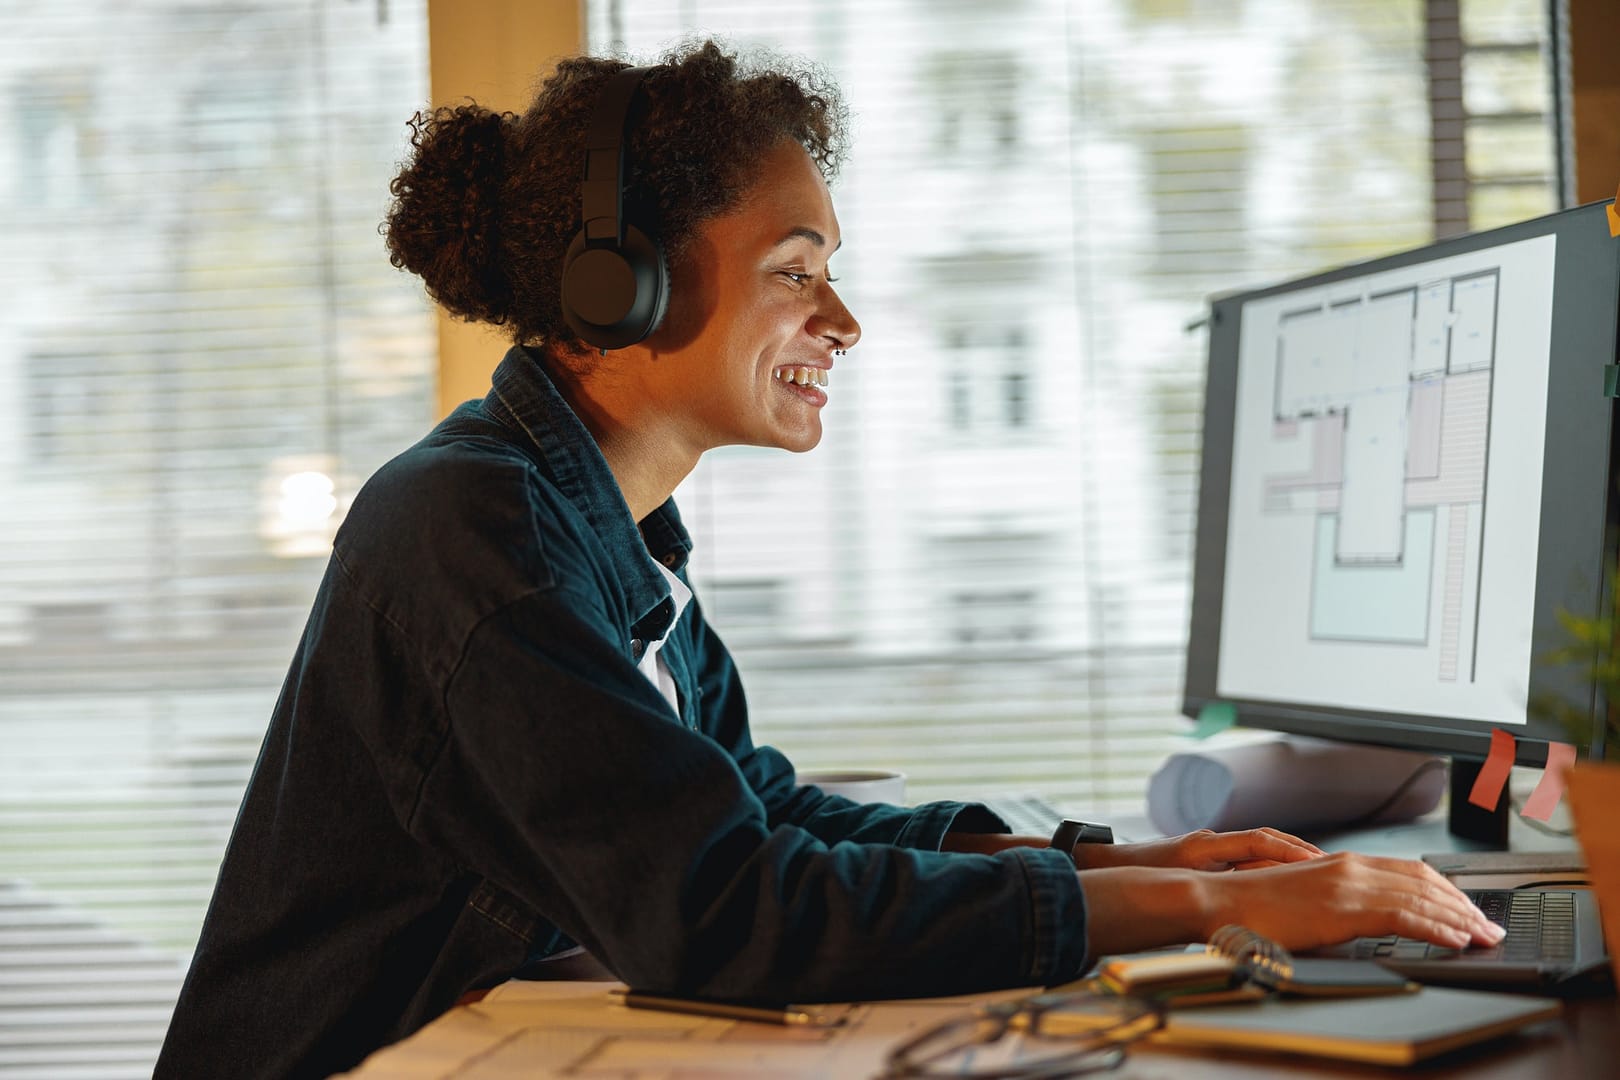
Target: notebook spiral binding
1262	959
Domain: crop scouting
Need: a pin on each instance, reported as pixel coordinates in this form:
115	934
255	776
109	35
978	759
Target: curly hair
485	207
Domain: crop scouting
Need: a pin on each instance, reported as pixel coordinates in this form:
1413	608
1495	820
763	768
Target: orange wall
1594	69
495	52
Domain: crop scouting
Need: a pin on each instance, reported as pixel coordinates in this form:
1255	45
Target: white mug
862	785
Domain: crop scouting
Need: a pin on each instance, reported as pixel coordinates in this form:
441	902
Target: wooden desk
573	1029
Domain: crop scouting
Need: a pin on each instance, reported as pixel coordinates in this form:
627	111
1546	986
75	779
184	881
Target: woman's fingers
1437	910
1294	841
1220	851
1418	902
1343	896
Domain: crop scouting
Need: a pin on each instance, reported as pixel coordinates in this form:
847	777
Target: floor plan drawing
1386	401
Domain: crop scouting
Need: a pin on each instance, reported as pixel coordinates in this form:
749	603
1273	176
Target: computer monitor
1408	470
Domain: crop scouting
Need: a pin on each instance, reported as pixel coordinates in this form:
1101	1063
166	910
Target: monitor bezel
1577	493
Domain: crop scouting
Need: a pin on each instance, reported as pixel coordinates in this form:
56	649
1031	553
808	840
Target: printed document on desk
581	1029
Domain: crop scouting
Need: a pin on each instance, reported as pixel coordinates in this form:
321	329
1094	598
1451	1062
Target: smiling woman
717	373
510	745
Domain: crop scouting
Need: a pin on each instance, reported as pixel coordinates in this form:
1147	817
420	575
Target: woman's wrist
1133	907
1100	856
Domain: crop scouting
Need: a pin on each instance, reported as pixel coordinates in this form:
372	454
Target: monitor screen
1407	473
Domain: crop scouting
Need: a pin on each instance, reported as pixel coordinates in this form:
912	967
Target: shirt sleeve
830	818
563	779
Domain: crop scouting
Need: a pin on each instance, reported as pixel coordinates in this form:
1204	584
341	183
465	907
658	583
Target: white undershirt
651	664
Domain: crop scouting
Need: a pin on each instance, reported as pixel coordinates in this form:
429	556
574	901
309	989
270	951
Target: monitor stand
1484	829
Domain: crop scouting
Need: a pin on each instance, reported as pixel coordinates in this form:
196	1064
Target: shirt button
670	560
637	647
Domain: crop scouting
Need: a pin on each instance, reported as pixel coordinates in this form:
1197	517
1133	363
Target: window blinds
981	575
203	349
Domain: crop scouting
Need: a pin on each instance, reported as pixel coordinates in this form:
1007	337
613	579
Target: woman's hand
1203	850
1301	905
1338	897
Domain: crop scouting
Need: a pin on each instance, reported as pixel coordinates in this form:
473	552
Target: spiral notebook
1239	963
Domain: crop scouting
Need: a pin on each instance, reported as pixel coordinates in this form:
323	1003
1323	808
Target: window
1492	118
1198	178
199	309
993	587
70	394
1037	203
974	98
988	383
54	139
204	352
748	606
1001	617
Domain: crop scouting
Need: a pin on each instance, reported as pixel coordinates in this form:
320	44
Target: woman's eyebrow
804	232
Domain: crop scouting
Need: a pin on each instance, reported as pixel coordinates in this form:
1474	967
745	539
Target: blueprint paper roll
1293	783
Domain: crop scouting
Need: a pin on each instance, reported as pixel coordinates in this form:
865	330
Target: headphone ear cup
613	297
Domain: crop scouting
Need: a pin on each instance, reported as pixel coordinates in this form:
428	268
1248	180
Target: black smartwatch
1072	832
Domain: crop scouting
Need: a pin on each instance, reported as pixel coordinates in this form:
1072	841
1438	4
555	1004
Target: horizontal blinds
203	351
981	576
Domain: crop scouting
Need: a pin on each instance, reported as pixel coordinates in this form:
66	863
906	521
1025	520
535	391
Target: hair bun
445	221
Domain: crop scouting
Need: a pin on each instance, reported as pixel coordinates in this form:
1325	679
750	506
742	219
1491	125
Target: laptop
1554	944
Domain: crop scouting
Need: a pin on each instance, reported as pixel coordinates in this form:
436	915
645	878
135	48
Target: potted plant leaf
1593	786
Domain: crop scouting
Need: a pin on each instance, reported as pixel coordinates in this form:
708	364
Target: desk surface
572	1029
575	1029
1429	835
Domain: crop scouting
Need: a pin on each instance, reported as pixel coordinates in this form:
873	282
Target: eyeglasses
1058	1035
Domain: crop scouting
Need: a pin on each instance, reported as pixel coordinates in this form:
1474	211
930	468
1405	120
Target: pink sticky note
1550	788
1493	774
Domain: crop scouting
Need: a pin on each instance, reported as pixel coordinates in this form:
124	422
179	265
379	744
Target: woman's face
753	320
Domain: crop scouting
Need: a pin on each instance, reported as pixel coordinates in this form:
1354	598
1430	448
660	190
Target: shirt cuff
1057	924
929	823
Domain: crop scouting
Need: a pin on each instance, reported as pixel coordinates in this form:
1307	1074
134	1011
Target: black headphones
615	283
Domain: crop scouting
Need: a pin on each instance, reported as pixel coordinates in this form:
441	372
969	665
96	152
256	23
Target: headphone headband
615	285
602	197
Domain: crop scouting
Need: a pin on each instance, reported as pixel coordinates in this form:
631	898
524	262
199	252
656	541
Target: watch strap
1071	833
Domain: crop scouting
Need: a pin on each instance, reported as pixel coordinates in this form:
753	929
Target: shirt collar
523	396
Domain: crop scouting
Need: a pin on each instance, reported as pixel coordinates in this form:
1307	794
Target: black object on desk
1554	945
787	1015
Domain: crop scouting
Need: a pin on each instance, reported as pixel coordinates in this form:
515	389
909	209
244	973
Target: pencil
789	1015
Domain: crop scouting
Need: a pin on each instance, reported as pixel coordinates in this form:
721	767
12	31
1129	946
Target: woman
508	731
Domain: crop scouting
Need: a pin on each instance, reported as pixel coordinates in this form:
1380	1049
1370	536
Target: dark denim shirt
466	773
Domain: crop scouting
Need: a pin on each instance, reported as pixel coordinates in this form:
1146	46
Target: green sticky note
1214	716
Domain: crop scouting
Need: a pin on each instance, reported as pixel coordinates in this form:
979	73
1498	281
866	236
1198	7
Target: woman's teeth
803	376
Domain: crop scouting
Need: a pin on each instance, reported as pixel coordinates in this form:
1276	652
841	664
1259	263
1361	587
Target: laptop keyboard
1540	927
